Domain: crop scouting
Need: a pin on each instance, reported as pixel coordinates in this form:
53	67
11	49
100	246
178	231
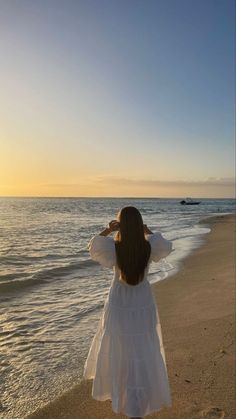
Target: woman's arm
146	229
105	232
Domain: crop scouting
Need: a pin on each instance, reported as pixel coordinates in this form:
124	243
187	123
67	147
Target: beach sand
197	312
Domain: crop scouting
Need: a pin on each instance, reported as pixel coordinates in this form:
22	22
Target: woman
126	359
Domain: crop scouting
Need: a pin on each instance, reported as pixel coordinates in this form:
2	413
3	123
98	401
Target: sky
117	98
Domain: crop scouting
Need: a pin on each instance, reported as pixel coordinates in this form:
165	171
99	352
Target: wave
189	233
11	282
24	260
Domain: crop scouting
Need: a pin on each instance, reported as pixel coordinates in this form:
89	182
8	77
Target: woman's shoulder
160	246
102	250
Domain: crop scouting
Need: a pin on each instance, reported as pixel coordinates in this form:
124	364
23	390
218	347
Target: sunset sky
117	98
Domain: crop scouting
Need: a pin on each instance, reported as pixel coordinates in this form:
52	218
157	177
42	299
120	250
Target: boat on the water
189	201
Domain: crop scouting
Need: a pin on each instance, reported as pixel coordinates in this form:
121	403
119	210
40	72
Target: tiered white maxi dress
126	359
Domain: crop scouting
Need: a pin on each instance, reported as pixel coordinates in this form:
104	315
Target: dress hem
122	411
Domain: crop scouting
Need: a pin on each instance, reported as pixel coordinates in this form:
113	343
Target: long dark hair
132	249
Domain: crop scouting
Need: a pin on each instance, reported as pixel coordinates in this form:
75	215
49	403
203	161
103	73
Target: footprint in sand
213	412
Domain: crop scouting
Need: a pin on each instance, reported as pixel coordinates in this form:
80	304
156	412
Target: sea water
51	292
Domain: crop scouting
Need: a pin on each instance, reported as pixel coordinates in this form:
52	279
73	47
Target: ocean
51	292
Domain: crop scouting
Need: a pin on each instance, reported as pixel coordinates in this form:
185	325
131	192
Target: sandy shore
197	311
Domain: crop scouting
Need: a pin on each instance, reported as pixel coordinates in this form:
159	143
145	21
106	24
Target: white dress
126	359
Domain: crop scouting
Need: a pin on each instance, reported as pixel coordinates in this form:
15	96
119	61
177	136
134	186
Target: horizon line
109	197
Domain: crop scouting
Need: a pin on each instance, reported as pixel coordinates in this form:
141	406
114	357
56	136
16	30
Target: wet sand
196	307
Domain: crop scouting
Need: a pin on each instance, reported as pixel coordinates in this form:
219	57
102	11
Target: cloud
118	180
125	181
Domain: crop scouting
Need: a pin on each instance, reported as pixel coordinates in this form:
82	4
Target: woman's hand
114	225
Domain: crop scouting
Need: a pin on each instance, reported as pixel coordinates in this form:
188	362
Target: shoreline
200	239
198	303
